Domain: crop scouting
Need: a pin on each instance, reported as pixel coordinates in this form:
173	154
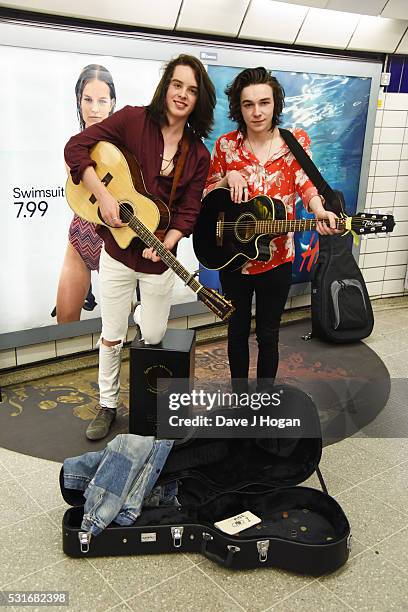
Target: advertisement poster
41	113
39	116
333	111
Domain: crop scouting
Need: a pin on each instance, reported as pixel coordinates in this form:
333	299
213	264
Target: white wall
383	259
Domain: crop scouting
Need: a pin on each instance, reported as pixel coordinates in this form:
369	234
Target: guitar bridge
219	230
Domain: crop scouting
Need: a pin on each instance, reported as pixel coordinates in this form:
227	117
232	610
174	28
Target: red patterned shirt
280	177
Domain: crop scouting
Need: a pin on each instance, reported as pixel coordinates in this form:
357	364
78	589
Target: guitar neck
291	225
166	256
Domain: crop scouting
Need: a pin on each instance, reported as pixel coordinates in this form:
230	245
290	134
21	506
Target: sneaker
137	313
99	427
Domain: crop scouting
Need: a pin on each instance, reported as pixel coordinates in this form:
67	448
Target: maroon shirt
133	129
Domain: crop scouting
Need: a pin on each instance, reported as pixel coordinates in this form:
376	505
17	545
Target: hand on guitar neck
170	240
326	220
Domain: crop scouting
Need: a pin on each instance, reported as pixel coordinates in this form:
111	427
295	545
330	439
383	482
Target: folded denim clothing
117	480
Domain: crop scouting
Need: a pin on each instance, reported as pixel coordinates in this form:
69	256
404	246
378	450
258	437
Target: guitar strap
324	189
185	143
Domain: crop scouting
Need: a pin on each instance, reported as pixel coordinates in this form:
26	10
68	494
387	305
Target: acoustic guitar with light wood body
145	215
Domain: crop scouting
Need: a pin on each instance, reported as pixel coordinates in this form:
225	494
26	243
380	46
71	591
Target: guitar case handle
225	562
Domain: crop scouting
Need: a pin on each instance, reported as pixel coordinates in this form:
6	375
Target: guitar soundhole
125	211
245	228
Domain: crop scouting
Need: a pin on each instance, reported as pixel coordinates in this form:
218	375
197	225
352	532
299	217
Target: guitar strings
248	224
216	302
357	222
231	225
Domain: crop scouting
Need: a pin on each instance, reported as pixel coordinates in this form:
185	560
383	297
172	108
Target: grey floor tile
190	591
390	345
56	514
385	449
122	607
131	575
357	547
27	547
15	504
4	473
88	591
19	464
43	486
334	483
385	426
371	520
391	487
195	558
393	409
396	364
313	597
385	324
395	549
255	589
355	463
399	390
369	582
340	449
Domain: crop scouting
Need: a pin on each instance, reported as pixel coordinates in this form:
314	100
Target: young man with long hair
182	104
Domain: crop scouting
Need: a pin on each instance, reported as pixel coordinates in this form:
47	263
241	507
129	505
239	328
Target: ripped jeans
119	480
117	285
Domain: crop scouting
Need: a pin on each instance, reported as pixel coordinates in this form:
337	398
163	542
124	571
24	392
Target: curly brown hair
202	118
254	76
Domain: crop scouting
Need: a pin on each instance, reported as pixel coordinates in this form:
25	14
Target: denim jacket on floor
118	480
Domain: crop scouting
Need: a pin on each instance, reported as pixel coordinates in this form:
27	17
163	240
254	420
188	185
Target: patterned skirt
83	237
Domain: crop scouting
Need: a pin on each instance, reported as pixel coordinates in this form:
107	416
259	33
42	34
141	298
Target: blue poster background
333	110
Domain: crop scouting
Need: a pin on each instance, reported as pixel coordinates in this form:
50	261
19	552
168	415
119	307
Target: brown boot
99	427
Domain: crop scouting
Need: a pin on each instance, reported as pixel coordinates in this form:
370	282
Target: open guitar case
302	529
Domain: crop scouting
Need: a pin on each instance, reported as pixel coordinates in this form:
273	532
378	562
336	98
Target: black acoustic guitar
227	235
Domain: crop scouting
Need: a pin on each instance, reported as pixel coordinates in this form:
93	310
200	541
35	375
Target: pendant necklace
253	152
169	162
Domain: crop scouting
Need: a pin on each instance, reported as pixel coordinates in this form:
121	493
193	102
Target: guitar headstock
369	223
220	306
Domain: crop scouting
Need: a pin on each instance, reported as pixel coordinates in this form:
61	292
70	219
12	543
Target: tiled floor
368	476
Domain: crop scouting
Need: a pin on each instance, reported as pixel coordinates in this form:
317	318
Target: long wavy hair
254	76
93	72
202	118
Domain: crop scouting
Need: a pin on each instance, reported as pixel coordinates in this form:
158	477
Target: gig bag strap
308	166
185	143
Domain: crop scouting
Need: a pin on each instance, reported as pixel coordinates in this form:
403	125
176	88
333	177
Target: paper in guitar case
302	529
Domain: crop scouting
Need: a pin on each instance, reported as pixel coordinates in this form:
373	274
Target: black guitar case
340	305
302	529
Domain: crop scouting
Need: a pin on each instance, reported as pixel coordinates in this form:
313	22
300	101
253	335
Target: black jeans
271	290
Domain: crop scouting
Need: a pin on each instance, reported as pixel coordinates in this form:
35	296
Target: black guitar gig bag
340	304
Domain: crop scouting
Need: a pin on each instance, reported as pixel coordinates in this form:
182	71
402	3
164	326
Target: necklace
167	166
253	152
